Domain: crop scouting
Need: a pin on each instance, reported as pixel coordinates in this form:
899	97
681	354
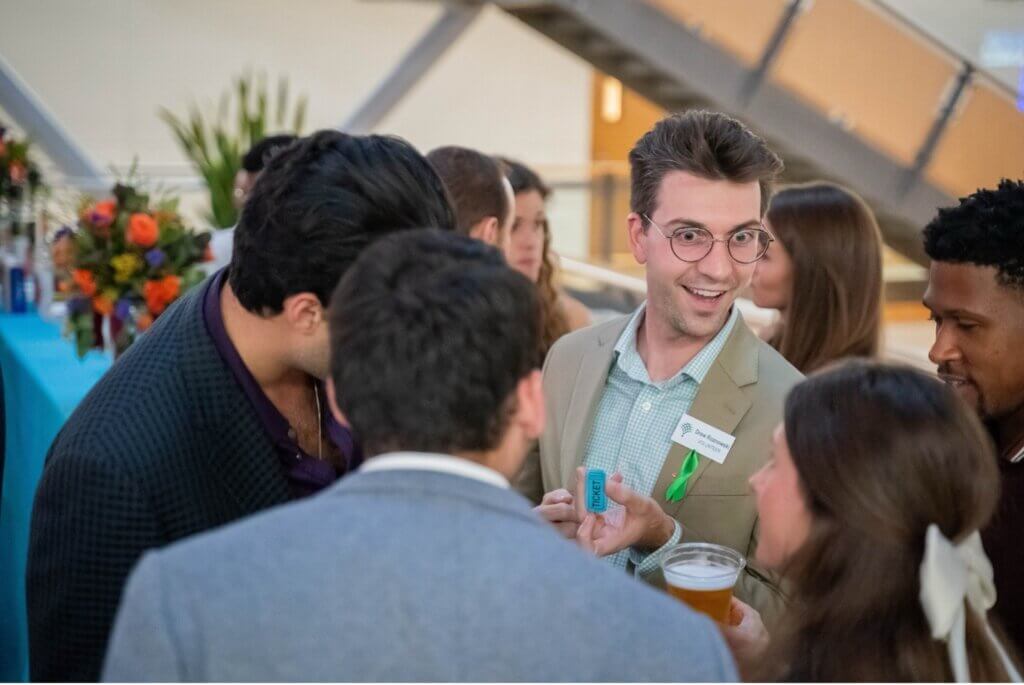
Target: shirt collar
628	357
302	469
1018	457
442	463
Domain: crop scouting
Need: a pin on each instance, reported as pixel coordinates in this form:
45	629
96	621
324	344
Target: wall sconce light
611	100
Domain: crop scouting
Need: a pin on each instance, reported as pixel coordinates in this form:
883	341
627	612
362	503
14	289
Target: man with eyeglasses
675	402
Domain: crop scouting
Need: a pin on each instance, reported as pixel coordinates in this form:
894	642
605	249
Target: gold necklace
319	423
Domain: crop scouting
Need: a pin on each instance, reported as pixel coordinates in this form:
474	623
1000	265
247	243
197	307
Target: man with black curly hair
976	297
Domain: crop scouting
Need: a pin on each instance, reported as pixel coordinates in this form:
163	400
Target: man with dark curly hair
976	297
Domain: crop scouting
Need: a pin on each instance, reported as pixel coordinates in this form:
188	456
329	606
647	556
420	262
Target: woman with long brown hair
529	252
824	275
879	480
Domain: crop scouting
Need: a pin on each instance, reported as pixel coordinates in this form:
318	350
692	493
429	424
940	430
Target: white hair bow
951	574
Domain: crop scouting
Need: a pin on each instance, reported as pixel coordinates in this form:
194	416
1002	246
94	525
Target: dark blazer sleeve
90	525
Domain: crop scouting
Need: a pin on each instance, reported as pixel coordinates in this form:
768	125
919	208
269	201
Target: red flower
142	230
160	293
85	281
102	305
143	321
99	217
18	172
102	215
107	208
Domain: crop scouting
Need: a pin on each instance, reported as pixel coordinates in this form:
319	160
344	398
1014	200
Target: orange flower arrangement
19	175
129	261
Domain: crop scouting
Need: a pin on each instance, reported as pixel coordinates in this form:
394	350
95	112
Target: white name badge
707	440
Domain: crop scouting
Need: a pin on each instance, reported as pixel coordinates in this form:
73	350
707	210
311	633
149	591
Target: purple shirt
306	474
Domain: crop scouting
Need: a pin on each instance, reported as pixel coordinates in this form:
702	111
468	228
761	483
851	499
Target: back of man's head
984	229
255	160
475	183
431	334
706	144
318	204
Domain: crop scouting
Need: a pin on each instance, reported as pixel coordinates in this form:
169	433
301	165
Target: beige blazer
742	394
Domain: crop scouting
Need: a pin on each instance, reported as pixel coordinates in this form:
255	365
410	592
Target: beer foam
694	575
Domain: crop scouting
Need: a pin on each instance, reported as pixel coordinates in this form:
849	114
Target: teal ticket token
597	501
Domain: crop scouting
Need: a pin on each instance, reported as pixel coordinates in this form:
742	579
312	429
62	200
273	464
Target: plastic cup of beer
703	575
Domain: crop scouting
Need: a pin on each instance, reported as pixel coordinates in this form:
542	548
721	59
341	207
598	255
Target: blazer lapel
590	382
245	461
243	458
719	402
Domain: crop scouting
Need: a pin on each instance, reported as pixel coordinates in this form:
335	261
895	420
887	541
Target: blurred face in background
694	298
772	285
784	519
244	181
505	234
526	240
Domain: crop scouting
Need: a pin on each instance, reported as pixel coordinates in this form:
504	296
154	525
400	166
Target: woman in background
530	253
870	506
823	274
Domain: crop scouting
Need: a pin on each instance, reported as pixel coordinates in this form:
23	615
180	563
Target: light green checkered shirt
633	427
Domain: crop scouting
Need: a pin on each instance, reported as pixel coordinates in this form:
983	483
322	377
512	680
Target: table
43	382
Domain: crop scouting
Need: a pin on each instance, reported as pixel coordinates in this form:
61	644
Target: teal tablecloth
43	382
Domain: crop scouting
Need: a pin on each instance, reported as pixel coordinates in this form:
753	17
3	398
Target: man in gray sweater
424	565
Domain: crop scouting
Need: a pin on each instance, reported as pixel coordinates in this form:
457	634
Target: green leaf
214	147
300	116
282	102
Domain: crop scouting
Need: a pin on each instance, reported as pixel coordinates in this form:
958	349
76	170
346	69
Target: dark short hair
255	160
430	334
318	204
986	228
474	183
710	145
524	179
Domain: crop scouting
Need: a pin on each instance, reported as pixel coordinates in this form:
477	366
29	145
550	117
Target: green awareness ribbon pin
677	490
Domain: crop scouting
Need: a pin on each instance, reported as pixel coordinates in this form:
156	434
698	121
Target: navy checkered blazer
166	445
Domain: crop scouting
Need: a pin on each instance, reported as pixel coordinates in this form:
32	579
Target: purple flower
156	257
100	220
123	309
79	305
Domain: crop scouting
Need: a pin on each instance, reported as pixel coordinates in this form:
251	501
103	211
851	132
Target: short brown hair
474	182
711	145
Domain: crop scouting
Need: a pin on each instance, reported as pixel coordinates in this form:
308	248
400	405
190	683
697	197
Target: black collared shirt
306	474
